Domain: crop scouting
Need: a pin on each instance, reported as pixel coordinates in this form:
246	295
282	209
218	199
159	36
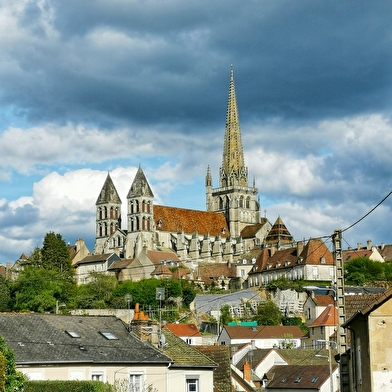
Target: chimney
247	371
359	246
369	244
382	246
253	344
300	248
145	328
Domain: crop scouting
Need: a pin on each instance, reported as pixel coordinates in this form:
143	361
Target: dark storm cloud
168	62
18	217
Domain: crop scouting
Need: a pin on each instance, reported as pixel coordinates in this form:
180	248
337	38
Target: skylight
314	379
298	379
108	335
73	334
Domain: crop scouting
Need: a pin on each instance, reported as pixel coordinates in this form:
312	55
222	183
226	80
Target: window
135	383
192	385
97	376
73	334
108	335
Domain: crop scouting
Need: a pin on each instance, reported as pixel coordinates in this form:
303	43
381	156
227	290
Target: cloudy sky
88	87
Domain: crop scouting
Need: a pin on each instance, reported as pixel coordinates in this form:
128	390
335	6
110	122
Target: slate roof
140	186
298	377
183	330
108	193
301	356
38	339
172	219
263	332
222	374
183	354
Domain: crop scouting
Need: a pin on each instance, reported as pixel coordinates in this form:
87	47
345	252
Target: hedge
61	386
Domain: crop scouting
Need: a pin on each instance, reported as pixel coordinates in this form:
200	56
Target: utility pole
339	273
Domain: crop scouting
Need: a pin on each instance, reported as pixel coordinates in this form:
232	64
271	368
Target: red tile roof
176	220
183	330
354	303
329	316
323	300
251	230
162	269
354	253
210	271
157	256
263	332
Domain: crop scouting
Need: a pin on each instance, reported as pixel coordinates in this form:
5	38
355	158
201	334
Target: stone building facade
231	225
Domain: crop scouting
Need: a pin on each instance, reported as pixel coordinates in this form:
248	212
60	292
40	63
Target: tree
225	317
55	255
98	293
47	278
362	269
13	380
188	292
38	290
5	295
268	314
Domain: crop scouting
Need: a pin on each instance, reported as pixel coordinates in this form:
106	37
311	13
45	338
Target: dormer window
322	260
160	223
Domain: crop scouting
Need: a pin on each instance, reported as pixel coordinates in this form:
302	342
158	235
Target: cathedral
230	226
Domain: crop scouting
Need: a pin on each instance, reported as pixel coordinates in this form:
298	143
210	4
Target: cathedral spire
233	170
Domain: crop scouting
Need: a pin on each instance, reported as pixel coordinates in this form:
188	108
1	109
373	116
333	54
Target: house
312	262
78	251
307	378
369	251
315	305
367	364
187	332
148	264
323	328
94	263
191	370
261	361
62	347
263	336
219	274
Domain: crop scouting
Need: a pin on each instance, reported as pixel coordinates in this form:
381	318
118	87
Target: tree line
46	282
